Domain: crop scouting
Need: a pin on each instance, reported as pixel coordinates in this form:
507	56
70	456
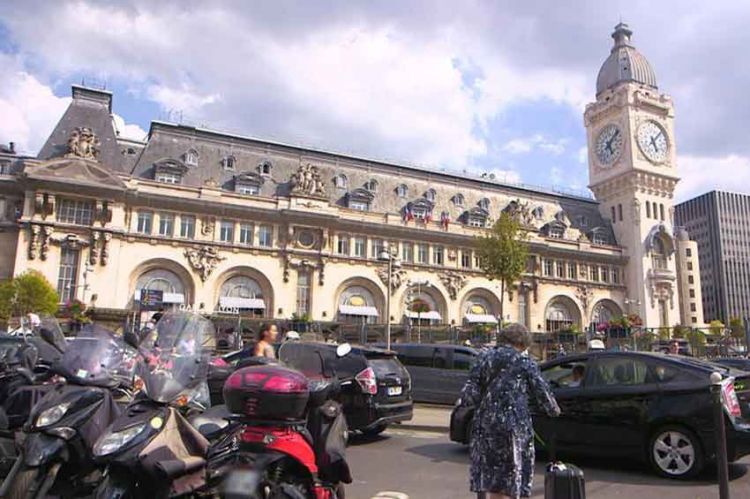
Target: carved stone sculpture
44	242
207	227
203	260
584	295
93	250
307	182
453	283
33	241
520	211
83	143
105	248
291	262
397	277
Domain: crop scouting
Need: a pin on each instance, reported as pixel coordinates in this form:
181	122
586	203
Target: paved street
426	465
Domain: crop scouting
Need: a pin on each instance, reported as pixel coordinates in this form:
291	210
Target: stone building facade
225	223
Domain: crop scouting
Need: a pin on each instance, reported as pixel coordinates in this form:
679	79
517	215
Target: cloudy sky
466	86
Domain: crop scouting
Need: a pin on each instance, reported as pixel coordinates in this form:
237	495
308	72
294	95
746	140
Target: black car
379	394
740	363
438	372
639	405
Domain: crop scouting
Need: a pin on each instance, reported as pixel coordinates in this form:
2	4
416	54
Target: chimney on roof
92	95
12	147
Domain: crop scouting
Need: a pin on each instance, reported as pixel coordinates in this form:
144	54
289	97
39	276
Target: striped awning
480	319
432	315
241	303
361	310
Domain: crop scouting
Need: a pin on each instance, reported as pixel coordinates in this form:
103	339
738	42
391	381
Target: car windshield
307	358
175	358
94	357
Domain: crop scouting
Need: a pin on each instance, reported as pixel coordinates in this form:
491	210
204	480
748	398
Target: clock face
608	145
652	139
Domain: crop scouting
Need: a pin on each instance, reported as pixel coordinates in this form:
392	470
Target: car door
418	360
459	362
562	377
615	404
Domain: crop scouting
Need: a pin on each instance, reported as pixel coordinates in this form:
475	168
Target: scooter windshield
176	356
94	357
16	352
51	332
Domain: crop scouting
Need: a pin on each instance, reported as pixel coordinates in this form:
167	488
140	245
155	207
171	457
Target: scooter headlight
52	415
112	441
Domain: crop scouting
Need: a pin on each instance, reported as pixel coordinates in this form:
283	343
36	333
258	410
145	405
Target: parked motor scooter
63	425
152	450
293	433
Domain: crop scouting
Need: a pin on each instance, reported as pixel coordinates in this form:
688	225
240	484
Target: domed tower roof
624	64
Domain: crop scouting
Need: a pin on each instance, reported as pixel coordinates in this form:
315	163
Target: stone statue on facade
453	283
307	181
584	295
397	277
203	260
83	143
520	212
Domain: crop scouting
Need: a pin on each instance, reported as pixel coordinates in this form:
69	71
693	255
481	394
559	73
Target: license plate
395	390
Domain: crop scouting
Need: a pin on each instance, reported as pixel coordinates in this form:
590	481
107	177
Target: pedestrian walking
500	384
266	339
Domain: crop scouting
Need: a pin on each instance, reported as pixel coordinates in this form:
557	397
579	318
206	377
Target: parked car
438	372
663	346
640	405
740	363
381	393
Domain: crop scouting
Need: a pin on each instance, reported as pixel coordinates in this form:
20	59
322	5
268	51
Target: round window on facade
306	238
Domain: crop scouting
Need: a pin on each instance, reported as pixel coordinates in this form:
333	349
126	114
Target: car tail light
367	381
729	398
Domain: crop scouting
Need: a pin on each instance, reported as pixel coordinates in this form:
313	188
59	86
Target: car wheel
375	430
675	452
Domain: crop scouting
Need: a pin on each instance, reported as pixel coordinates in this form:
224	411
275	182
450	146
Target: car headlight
111	441
458	401
52	415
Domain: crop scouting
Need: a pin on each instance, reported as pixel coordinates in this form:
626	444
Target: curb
416	427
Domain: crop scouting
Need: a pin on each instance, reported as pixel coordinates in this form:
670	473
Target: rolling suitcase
564	481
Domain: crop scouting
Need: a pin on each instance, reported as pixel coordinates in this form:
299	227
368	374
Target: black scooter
61	430
156	448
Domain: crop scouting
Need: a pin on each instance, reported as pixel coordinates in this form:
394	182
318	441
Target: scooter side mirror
131	339
343	350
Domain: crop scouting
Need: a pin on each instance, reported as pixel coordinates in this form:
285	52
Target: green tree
716	327
737	326
503	254
27	292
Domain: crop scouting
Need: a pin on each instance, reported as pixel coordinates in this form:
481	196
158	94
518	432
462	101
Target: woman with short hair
500	385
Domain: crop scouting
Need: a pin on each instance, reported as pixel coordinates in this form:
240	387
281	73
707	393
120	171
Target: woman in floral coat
500	384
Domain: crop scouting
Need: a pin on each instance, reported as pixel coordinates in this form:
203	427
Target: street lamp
412	298
387	255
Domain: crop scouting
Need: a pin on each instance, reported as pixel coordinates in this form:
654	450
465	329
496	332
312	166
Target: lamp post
412	299
393	261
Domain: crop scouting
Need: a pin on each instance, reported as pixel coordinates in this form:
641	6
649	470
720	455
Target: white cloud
583	155
525	145
29	108
701	174
127	130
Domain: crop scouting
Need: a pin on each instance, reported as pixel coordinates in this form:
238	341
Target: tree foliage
716	327
503	253
737	326
27	292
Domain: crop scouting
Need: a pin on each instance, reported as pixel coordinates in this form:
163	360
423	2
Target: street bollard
720	437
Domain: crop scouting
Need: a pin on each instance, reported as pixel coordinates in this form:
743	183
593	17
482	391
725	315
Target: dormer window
371	185
340	181
402	191
359	199
265	168
458	200
583	221
430	195
420	209
169	171
476	217
248	183
228	162
556	232
600	238
191	157
484	203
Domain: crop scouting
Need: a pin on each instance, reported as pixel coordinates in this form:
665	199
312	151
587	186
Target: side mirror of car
343	350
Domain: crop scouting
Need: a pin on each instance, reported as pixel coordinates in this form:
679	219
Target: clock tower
632	174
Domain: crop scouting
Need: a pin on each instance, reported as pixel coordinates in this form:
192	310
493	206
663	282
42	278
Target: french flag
445	219
408	215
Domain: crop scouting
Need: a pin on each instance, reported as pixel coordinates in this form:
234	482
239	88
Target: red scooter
293	432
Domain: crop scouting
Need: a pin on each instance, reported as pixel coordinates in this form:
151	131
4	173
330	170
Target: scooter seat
211	421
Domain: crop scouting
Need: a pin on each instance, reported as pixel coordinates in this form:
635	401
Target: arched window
558	317
191	157
458	200
340	181
166	281
242	292
430	195
265	168
228	162
402	191
484	203
371	185
357	306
